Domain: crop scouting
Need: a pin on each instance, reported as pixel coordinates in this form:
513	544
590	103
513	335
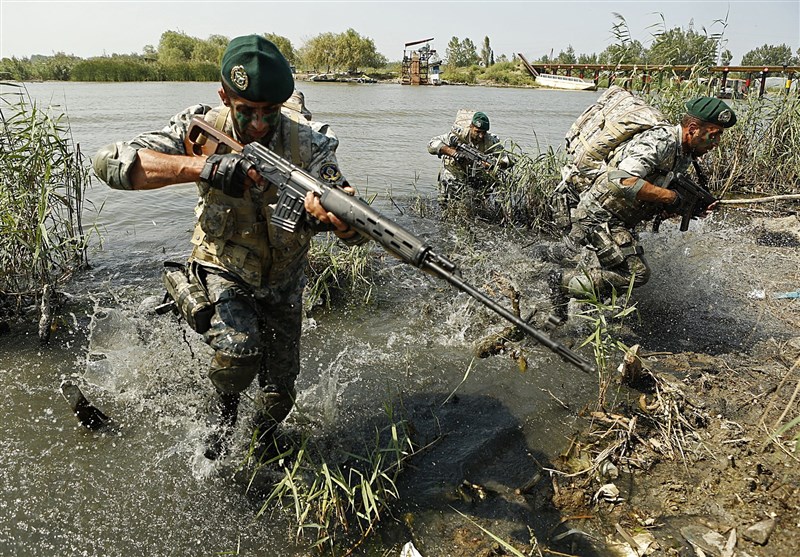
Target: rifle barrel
565	353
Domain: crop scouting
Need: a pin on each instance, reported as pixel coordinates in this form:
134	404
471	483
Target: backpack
462	122
612	120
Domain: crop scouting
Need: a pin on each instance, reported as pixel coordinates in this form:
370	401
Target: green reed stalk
332	501
42	186
605	320
333	267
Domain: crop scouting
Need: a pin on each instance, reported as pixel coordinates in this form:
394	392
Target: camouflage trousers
619	259
254	333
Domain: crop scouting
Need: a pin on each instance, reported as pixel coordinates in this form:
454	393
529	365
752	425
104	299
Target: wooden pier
628	73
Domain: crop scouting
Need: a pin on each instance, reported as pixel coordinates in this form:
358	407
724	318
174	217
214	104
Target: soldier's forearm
155	170
652	193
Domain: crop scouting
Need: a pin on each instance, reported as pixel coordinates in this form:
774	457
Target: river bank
496	432
685	462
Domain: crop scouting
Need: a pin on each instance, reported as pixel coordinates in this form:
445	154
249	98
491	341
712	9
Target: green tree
19	69
354	51
209	50
150	53
487	55
319	53
679	47
175	47
770	55
284	45
567	57
58	67
469	52
631	52
461	54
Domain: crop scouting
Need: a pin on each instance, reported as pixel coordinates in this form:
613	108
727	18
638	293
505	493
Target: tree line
180	57
674	46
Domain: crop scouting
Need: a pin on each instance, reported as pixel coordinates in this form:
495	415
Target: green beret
712	110
480	121
254	69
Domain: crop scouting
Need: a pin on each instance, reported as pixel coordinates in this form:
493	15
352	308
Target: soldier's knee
581	284
233	374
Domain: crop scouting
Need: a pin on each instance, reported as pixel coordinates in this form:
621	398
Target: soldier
251	272
458	170
631	189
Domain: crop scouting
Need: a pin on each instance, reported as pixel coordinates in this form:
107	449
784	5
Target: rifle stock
293	183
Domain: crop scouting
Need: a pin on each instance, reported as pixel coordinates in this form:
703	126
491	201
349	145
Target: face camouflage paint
254	123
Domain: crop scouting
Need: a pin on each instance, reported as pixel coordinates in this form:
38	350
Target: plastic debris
609	493
788	295
409	551
711	543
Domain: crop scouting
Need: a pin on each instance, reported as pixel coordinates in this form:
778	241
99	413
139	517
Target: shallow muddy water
145	488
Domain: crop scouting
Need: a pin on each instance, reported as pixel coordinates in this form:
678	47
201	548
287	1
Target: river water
146	490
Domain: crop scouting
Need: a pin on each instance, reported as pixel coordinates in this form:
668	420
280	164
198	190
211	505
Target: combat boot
271	409
222	419
558	298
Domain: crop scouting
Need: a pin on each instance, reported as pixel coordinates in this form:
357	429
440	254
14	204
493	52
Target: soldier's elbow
112	164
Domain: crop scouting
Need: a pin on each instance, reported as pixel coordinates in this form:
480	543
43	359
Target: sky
534	28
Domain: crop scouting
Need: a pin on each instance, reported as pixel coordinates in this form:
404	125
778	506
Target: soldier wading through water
248	272
633	187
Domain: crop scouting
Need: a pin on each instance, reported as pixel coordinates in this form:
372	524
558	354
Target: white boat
564	82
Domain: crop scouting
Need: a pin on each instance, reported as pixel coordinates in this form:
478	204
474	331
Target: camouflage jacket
459	170
651	155
235	234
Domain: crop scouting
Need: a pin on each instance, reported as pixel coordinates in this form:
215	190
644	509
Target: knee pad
582	284
233	374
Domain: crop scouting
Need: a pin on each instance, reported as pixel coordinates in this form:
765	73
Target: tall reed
336	497
334	268
42	187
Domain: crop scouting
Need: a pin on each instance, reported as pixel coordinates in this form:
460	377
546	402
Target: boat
564	82
558	81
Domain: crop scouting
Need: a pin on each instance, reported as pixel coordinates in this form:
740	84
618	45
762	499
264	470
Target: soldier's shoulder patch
330	172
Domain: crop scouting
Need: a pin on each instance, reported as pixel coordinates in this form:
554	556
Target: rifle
695	199
293	183
471	153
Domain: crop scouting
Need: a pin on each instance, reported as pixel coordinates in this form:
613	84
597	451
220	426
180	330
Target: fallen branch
787	197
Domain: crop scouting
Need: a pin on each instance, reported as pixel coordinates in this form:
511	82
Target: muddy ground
683	459
692	465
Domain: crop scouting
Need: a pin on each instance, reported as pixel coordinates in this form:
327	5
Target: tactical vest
236	234
606	195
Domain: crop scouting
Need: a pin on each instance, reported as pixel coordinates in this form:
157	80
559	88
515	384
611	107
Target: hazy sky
94	28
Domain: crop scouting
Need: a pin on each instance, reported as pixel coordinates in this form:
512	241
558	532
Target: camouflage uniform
252	271
455	175
608	211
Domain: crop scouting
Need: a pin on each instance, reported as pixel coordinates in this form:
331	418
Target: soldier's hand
314	208
673	209
460	156
231	173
